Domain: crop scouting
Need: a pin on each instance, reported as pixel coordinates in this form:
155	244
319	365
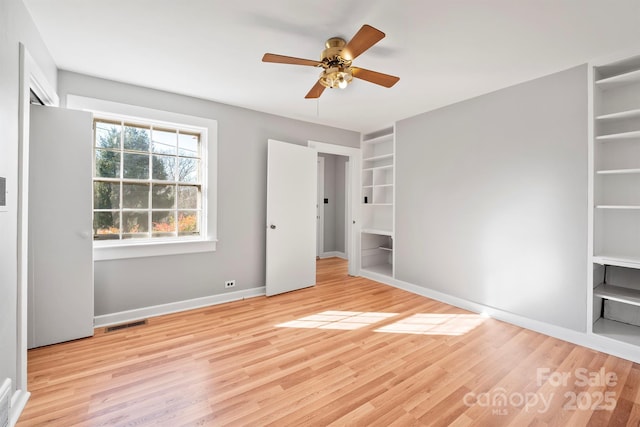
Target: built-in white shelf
379	139
627	207
617	293
618	331
617	261
621	79
377	231
377	167
617	171
378	178
620	115
380	157
616	129
384	269
621	135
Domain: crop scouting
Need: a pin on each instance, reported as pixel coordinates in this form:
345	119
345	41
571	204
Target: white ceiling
443	51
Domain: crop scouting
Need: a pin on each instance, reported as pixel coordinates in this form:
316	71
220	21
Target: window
196	142
148	181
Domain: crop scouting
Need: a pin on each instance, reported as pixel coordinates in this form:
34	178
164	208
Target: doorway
333	174
33	85
352	211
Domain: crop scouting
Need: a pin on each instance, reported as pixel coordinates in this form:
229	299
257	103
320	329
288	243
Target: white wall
329	238
15	26
334	211
242	161
491	202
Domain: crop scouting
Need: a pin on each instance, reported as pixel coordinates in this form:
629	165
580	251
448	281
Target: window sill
151	249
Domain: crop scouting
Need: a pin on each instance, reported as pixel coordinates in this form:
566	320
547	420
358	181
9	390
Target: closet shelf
619	207
617	293
377	168
379	139
620	115
377	231
617	171
380	157
383	269
617	261
617	331
619	80
622	135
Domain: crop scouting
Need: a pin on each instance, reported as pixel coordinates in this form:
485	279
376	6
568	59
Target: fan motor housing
331	55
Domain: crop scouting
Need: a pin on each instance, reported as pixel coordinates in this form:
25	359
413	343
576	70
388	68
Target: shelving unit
615	167
378	150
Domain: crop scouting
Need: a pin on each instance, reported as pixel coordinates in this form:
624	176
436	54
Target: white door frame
31	79
347	208
353	208
320	209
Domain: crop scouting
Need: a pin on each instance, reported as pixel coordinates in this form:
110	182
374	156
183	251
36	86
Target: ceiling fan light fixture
336	60
336	77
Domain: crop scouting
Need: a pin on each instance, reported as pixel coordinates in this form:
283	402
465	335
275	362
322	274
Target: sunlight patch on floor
343	320
435	324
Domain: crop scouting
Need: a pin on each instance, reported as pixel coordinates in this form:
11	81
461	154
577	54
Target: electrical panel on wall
3	194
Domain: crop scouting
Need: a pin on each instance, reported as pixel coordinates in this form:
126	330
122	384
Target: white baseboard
585	339
333	254
174	307
18	402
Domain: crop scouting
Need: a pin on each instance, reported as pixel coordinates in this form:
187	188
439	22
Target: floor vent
5	401
125	325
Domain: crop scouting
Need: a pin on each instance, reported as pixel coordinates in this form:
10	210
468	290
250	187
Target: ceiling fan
336	62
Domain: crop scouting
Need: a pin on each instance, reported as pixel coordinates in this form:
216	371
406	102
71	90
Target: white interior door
60	262
291	217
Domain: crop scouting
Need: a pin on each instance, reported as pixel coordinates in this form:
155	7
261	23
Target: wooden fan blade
381	79
315	91
282	59
366	37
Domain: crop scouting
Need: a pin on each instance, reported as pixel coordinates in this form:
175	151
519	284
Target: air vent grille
126	325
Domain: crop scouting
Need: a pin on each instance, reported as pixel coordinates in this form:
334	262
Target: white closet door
291	217
60	226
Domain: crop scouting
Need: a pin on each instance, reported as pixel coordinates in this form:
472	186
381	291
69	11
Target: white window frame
135	248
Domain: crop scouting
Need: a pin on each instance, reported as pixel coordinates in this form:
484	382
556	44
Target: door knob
273	227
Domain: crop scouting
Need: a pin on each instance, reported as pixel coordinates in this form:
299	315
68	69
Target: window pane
164	223
108	135
135	224
188	170
164	167
107	164
163	197
135	196
106	195
136	166
164	142
188	145
188	197
136	138
188	224
106	225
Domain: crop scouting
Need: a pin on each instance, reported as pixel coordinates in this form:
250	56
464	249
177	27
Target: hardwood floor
349	351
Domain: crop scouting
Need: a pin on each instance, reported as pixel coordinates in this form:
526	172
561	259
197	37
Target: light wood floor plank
426	364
